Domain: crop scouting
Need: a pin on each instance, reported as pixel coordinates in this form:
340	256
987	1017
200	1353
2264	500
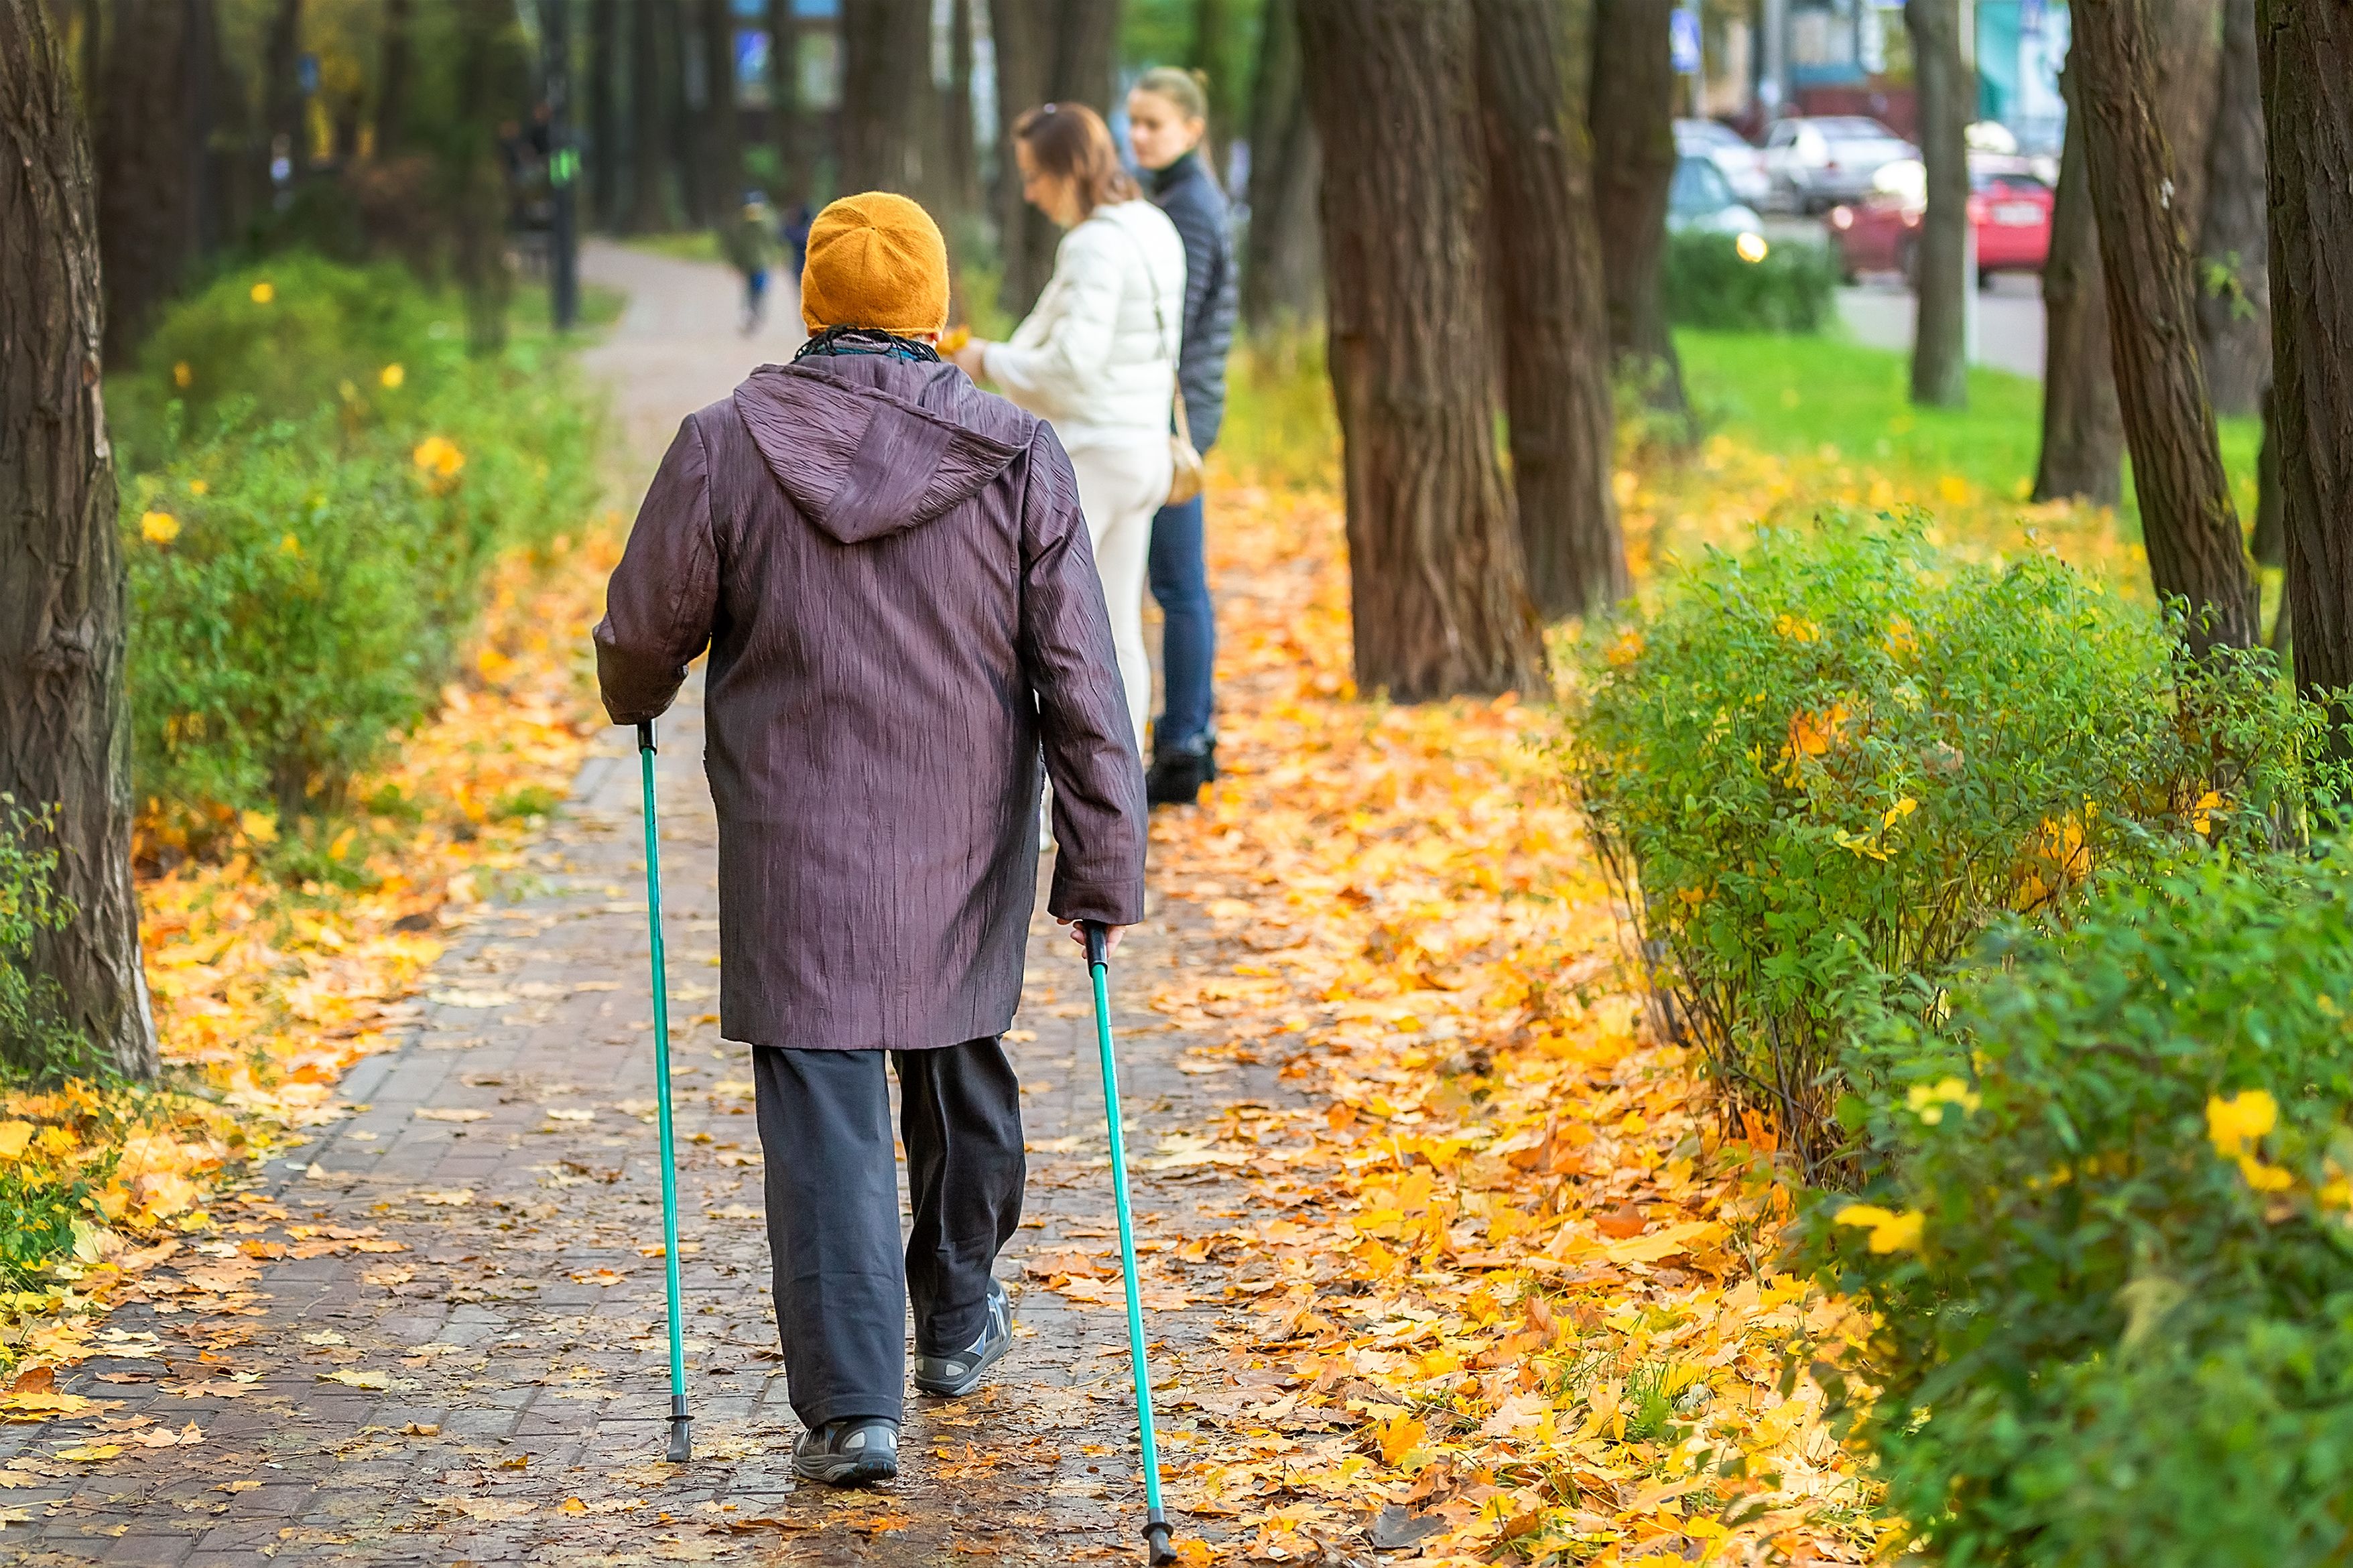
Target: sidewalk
436	1335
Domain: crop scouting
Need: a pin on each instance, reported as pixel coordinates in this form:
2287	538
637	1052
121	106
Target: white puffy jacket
1094	358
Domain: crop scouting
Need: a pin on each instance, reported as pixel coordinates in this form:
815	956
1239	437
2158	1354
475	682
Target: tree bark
2189	522
1282	249
1440	602
724	138
1941	279
392	77
2234	295
785	104
958	138
147	206
2083	428
1552	329
603	114
1631	105
1212	55
687	122
2308	82
651	86
1047	52
886	86
490	85
65	738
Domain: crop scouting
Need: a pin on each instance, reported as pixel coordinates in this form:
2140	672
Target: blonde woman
1097	357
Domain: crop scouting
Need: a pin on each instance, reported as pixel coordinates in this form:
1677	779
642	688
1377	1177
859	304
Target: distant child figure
751	244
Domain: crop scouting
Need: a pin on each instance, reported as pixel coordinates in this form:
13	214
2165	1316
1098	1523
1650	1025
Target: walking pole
1158	1551
680	1427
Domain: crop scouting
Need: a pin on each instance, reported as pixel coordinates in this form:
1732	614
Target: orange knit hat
875	260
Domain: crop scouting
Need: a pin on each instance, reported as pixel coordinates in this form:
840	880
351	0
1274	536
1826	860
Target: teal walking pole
1158	1551
680	1427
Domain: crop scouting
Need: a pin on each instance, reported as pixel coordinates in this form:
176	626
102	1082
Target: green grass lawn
686	245
1797	395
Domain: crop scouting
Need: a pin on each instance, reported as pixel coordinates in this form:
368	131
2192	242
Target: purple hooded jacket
891	571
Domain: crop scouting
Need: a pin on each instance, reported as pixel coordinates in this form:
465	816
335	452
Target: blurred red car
2009	210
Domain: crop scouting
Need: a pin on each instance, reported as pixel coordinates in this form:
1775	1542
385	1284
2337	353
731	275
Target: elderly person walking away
1098	356
894	580
1168	118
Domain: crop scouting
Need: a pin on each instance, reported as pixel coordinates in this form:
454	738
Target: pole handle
1098	944
646	735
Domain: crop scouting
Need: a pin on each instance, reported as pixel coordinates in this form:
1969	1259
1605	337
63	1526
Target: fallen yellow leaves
1504	1275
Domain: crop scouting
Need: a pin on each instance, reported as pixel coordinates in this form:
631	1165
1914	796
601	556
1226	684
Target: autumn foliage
1817	769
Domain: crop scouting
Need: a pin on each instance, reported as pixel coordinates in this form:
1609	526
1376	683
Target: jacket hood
858	461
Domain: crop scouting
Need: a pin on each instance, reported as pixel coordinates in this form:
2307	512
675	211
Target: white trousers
1121	488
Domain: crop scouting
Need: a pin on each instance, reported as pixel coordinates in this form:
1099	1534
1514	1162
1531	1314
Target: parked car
1700	199
1816	163
2009	209
1741	164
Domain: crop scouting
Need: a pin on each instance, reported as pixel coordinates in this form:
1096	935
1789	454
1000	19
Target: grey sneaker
959	1374
855	1452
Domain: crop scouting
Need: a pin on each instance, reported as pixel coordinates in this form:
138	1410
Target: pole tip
1157	1551
681	1442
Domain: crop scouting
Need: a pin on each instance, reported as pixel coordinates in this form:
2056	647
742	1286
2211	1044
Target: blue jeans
1188	644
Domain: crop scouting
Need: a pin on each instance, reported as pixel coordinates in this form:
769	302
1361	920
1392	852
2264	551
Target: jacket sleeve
661	602
1064	369
1082	720
1202	223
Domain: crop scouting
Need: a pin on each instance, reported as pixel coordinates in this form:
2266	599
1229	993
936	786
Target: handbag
1187	473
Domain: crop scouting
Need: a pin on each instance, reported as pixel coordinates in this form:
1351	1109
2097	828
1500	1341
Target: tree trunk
147	209
958	137
1439	602
603	114
2307	82
1632	104
65	739
723	142
1212	55
282	93
1047	52
391	78
649	94
490	86
1552	329
2186	57
1282	249
886	83
2083	428
1941	279
690	98
2188	520
785	104
2234	294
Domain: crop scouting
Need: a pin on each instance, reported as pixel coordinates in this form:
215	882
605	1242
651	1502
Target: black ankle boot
1177	772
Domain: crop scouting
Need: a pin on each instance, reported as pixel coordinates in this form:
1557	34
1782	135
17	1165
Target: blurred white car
1818	162
1741	164
1701	199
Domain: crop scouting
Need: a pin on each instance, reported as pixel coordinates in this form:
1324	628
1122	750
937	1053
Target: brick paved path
497	1391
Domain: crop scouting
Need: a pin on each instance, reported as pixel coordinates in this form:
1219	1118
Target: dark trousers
1188	639
842	1292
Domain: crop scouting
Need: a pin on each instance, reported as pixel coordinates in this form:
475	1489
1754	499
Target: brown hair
1070	142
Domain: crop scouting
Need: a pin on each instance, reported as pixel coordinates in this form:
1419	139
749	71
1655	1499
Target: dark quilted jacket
1191	197
892	574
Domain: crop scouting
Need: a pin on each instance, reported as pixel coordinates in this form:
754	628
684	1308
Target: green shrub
1707	284
36	1037
2111	1314
1819	770
305	553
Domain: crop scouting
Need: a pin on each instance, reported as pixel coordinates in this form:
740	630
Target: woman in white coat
1097	357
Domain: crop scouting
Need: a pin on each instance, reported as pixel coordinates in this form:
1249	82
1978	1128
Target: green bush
305	553
1707	284
2108	1268
36	1037
1817	771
